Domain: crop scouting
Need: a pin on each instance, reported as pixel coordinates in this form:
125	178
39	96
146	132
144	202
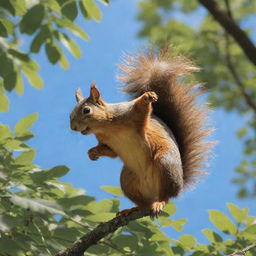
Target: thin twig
244	251
81	245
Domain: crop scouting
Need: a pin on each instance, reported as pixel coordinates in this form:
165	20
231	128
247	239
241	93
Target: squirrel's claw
156	208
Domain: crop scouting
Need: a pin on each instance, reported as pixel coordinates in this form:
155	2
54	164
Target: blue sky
56	144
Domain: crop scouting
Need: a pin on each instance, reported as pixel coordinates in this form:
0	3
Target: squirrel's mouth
85	131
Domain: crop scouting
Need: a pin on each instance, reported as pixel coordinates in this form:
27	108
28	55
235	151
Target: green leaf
70	10
25	158
19	6
5	132
101	217
75	200
9	246
52	52
15	145
178	224
76	30
54	173
63	61
7	71
32	19
25	123
159	236
4	102
170	209
187	241
238	214
242	132
70	45
249	232
165	222
3	30
53	5
10	81
19	55
212	236
33	77
7	222
222	222
8	24
40	38
92	9
101	206
19	88
37	205
113	190
126	240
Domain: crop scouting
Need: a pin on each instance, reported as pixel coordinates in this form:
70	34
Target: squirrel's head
89	113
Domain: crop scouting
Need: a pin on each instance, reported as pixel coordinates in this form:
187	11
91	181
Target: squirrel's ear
94	92
79	95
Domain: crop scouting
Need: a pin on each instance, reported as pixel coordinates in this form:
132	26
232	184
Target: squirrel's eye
86	110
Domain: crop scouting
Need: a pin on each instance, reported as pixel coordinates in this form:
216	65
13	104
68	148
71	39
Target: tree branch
232	28
244	251
232	68
81	245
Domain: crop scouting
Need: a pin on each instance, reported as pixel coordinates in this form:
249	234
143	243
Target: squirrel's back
176	105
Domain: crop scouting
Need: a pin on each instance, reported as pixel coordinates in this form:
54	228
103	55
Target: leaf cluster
48	25
40	215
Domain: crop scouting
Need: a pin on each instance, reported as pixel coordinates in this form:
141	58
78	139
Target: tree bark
81	245
232	28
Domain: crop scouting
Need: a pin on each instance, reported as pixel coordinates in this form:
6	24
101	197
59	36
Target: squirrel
159	134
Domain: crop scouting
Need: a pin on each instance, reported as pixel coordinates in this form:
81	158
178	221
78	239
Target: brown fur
160	156
176	105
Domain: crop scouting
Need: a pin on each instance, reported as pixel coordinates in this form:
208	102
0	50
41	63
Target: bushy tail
176	106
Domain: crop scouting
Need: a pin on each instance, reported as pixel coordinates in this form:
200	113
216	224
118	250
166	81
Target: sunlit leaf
25	158
222	222
187	241
4	102
212	236
25	123
113	190
76	30
101	217
92	9
239	214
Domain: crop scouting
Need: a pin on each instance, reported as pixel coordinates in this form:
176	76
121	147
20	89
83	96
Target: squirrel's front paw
150	97
93	154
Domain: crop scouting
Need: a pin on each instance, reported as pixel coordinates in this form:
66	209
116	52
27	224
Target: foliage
187	25
40	215
48	24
